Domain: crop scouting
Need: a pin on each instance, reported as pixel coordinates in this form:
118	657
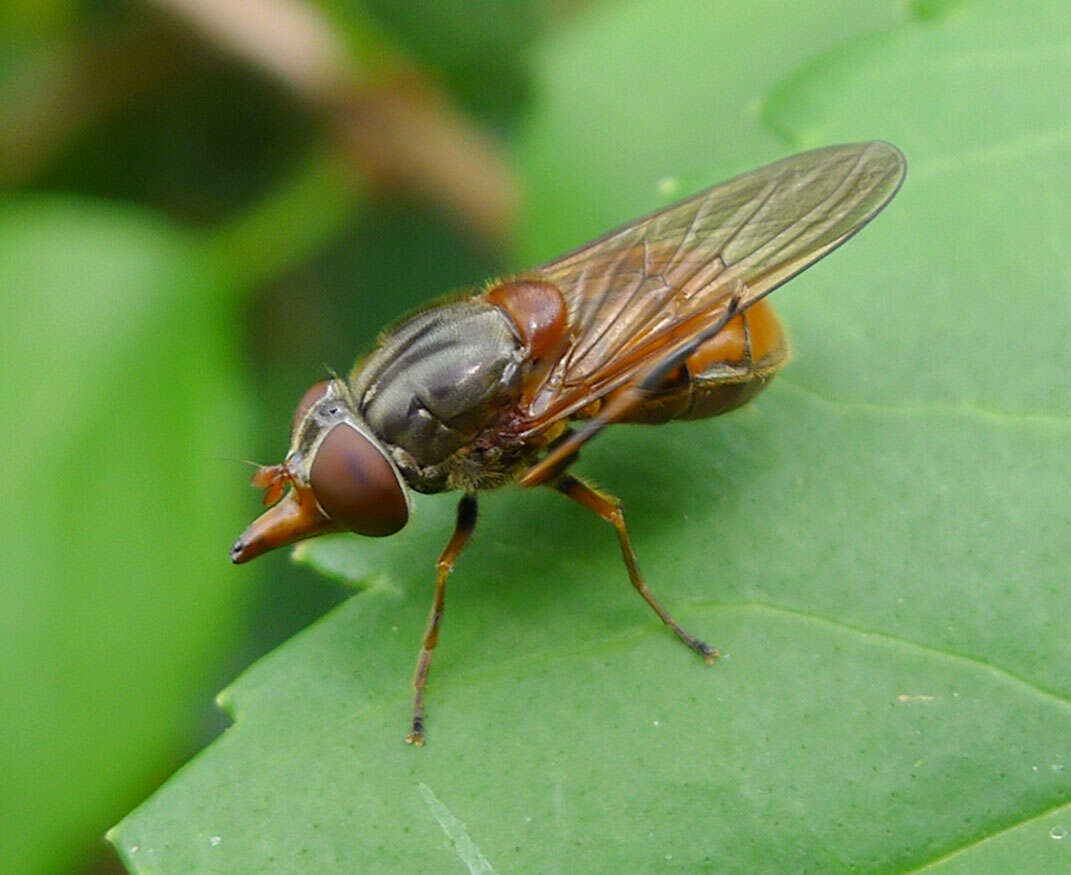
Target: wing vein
822	205
580	352
646	292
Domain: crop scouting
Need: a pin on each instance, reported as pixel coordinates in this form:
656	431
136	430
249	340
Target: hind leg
609	508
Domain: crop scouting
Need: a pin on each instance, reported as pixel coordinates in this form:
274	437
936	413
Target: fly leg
609	508
466	522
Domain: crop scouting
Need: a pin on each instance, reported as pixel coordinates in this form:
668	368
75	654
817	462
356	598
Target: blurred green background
207	203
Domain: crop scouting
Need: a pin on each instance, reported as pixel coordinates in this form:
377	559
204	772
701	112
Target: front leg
466	523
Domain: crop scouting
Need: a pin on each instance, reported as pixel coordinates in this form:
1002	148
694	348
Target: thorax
435	384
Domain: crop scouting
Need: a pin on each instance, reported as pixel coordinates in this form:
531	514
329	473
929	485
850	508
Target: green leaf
118	404
976	310
878	544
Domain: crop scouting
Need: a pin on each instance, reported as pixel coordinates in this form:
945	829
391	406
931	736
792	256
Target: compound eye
313	394
356	485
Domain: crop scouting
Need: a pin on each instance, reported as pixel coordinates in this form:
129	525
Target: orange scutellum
538	311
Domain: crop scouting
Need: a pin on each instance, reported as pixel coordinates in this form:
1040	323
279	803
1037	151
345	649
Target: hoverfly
660	319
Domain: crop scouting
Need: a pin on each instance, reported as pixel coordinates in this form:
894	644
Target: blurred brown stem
394	128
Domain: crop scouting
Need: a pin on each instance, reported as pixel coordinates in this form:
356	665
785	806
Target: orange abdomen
728	370
734	366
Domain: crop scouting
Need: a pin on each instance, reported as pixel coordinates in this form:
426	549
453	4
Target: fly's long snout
295	517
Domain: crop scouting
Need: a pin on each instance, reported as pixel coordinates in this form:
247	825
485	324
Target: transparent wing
641	291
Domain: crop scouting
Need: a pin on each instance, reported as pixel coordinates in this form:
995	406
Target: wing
654	286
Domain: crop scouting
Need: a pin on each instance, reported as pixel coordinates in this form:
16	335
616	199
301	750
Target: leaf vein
1001	672
1000	417
981	840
